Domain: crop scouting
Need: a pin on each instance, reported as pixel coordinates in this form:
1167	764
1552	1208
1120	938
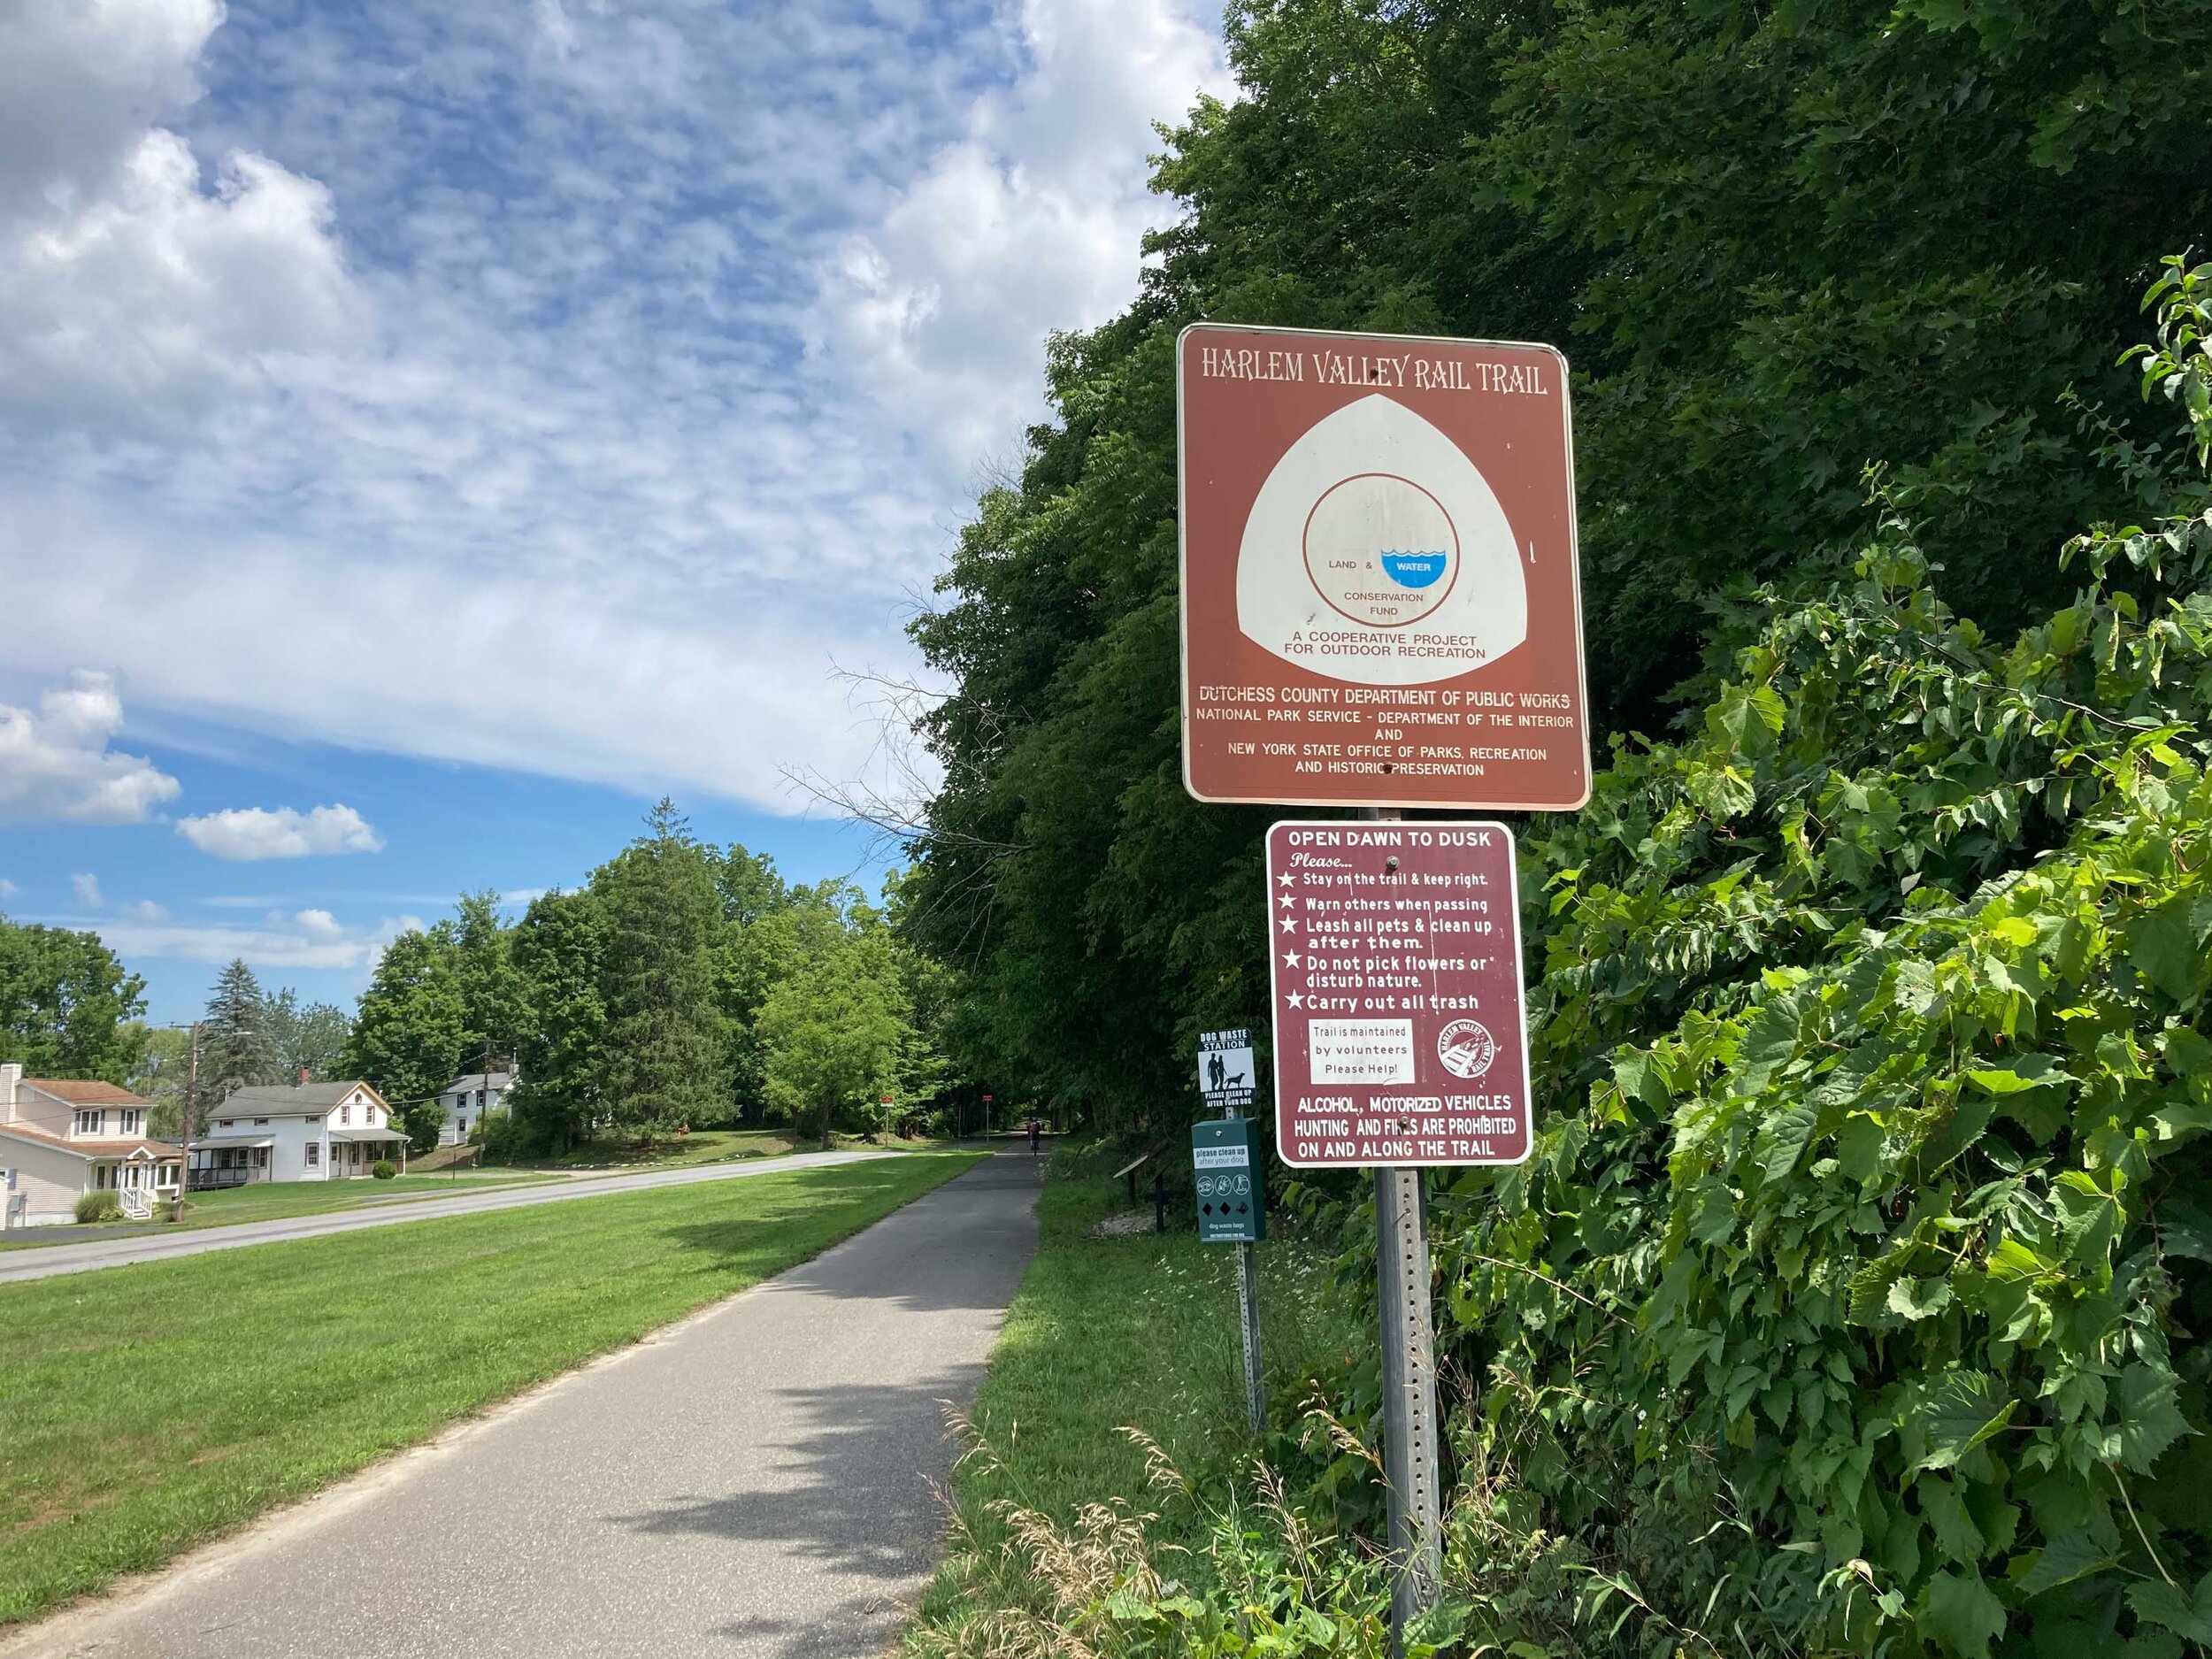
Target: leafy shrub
384	1169
502	1136
1853	1300
104	1205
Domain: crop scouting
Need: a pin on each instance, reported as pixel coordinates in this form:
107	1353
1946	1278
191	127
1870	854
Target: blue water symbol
1414	570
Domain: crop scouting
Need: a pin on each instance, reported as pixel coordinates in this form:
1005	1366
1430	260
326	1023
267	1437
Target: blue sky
429	434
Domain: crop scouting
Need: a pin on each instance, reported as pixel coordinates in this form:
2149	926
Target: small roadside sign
1226	1170
1226	1069
1399	1035
1381	589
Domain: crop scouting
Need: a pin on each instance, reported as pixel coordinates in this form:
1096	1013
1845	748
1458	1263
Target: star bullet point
1290	959
1295	1000
1290	924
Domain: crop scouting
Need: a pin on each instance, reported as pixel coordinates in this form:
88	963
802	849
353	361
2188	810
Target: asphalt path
755	1482
47	1260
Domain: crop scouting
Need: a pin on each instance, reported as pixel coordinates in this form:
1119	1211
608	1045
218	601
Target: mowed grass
277	1201
146	1408
702	1145
1140	1331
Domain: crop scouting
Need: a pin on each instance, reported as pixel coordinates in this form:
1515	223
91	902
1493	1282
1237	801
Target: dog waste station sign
1381	595
1226	1070
1395	952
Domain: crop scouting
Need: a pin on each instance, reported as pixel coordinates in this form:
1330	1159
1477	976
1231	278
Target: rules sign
1381	593
1399	1031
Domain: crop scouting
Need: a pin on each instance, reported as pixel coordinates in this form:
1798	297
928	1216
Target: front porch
357	1152
214	1166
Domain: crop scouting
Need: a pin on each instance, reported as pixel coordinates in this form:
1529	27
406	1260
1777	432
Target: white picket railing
138	1203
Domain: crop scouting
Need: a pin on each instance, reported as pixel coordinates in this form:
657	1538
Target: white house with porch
314	1132
61	1138
467	1099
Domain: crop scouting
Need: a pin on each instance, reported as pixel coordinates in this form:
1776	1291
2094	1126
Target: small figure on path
1035	1129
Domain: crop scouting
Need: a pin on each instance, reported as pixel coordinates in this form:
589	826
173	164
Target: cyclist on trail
1035	1129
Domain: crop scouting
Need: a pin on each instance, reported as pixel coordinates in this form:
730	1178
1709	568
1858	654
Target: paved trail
47	1260
753	1484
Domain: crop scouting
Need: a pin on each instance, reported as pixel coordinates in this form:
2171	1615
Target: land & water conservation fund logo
1381	550
1466	1048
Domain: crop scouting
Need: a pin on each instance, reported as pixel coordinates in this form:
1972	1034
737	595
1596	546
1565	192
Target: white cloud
313	939
127	289
252	833
1027	222
8	889
568	385
86	888
55	763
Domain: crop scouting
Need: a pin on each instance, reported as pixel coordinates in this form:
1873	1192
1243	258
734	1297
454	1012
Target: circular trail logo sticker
1380	549
1466	1048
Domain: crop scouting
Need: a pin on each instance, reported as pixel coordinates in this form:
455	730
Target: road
48	1260
754	1482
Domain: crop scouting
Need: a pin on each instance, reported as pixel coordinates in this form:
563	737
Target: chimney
303	1082
11	1074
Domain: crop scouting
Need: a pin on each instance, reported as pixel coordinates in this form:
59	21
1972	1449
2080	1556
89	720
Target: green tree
838	1034
661	1054
66	1005
238	1047
493	994
307	1036
163	1075
559	951
411	1032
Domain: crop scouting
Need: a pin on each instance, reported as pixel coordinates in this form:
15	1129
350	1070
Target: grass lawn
1141	1331
702	1145
273	1200
146	1408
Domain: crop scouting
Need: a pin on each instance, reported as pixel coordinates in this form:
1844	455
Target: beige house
61	1138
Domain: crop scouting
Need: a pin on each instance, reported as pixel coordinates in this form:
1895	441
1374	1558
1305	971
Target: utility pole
184	1126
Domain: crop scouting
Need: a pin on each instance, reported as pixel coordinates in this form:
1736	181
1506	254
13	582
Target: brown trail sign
1381	593
1396	954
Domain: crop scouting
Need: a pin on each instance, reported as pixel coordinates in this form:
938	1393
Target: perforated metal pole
1409	1377
1248	1299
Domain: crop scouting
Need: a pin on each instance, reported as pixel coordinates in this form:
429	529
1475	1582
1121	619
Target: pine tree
237	1048
661	1059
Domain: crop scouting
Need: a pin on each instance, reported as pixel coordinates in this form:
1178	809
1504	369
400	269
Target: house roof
124	1147
366	1134
267	1098
84	1091
479	1080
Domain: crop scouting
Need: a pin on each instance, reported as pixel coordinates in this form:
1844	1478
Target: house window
91	1123
314	1153
226	1122
259	1122
345	1113
461	1125
134	1120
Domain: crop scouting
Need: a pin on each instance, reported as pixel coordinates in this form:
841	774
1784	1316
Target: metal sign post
1232	1210
1381	609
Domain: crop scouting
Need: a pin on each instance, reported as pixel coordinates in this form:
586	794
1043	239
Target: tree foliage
67	1004
238	1047
661	1051
411	1031
1778	244
558	947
